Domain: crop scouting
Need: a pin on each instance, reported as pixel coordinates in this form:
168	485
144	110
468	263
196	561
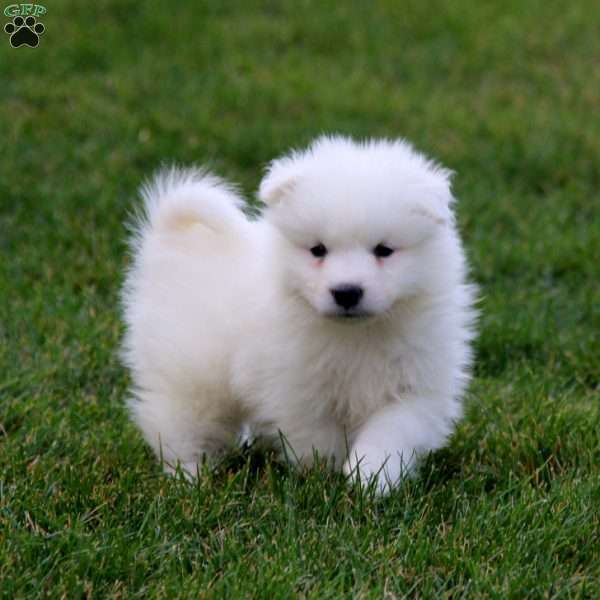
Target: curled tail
176	199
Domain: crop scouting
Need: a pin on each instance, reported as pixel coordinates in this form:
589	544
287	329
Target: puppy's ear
435	199
280	180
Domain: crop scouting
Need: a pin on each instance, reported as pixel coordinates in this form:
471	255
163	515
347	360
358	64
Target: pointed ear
435	199
280	180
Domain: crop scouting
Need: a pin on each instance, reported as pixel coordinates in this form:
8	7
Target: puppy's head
365	225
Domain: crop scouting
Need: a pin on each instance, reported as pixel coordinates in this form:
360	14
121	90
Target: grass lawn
506	93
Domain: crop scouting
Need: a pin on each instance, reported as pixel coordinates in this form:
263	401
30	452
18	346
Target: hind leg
185	433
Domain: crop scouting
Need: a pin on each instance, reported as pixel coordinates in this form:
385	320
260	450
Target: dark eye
318	251
382	251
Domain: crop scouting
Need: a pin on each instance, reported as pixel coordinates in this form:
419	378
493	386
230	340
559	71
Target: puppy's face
364	226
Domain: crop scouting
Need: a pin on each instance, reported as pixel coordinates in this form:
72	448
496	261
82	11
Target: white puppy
338	324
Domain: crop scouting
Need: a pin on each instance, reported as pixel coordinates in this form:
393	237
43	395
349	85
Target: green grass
505	93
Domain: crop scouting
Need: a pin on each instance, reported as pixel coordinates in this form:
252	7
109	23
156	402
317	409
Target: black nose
347	296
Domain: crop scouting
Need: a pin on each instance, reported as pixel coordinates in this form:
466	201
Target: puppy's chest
352	387
323	381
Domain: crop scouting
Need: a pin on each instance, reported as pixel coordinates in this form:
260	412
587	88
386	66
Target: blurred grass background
504	93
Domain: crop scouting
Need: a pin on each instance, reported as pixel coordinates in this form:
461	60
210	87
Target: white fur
232	321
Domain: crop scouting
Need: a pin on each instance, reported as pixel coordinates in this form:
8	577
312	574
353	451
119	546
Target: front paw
384	470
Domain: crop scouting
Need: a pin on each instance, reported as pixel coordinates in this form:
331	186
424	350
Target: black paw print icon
24	32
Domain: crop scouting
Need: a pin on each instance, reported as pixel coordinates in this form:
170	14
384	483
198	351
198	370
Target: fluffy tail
179	198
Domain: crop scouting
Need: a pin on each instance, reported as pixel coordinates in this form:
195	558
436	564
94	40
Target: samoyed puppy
337	324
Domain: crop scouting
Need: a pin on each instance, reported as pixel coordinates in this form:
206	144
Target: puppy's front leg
389	443
301	440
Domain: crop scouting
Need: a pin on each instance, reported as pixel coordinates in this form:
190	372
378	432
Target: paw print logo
24	32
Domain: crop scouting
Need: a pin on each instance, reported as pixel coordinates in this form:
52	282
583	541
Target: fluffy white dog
338	324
